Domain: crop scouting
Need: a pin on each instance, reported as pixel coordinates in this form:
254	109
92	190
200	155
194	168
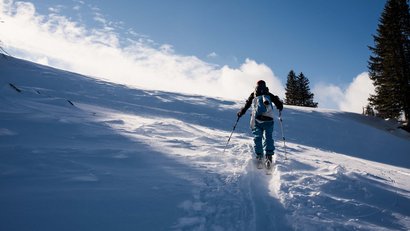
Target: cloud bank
58	41
353	99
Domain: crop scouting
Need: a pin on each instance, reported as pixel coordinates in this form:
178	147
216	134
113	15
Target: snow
119	158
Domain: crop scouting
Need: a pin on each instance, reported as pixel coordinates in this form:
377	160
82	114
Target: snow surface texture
82	154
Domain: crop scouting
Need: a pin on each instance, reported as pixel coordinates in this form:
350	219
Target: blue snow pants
263	140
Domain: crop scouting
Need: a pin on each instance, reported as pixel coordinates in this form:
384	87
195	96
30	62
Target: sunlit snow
82	154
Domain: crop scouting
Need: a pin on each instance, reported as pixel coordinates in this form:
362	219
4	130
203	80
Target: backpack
262	107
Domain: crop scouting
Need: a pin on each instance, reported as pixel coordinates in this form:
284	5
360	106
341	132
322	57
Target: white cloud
327	95
99	18
353	99
357	94
100	52
79	1
43	61
212	55
77	7
240	82
166	48
54	9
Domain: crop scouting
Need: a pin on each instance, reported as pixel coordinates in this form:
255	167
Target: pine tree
298	91
291	89
368	110
389	66
305	96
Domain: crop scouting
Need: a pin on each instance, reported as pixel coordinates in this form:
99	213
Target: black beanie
261	88
261	83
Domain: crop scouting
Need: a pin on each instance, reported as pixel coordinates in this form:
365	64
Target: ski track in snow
229	193
181	138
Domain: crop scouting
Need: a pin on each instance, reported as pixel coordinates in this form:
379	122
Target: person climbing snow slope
262	120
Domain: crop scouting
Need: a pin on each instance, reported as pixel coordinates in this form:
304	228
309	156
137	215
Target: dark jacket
275	99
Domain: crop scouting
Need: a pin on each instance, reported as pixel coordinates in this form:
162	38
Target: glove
240	113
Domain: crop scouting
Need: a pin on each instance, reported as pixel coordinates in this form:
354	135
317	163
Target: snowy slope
81	154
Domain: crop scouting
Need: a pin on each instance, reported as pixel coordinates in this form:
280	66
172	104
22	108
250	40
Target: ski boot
268	162
259	162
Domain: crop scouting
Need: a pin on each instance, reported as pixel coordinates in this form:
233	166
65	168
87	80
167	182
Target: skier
262	120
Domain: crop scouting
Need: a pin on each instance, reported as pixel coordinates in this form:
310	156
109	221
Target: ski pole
231	134
283	136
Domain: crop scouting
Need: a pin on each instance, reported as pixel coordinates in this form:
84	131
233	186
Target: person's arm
278	103
247	105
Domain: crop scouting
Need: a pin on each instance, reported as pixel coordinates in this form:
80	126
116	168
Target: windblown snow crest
81	154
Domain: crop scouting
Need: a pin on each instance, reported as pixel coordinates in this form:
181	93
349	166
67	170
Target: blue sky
326	40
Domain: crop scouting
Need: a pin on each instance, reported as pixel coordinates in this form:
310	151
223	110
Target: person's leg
268	141
257	139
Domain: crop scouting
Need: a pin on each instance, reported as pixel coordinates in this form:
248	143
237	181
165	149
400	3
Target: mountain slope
81	154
